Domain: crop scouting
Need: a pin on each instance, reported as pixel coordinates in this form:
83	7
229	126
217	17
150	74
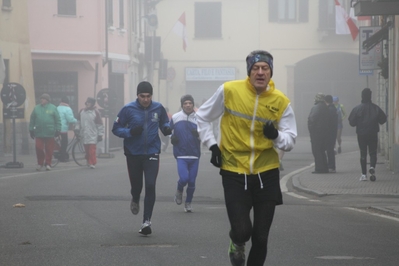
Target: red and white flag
345	24
180	29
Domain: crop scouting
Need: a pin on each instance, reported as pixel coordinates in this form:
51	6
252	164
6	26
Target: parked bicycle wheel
79	153
56	152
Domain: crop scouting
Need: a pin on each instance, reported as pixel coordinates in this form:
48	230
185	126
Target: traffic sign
13	95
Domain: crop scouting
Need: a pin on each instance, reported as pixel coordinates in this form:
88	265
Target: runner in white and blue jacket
186	149
138	123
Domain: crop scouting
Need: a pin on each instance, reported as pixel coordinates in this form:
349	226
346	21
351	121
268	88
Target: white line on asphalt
284	180
375	214
39	172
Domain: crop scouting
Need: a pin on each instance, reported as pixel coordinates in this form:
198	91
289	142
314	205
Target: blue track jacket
151	118
183	127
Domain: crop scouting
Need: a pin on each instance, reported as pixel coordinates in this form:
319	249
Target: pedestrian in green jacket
45	124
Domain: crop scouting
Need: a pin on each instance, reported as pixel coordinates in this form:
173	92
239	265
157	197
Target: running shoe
363	178
372	170
237	254
187	207
92	166
179	197
134	207
145	228
48	167
39	167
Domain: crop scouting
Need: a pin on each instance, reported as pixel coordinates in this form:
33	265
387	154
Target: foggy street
78	216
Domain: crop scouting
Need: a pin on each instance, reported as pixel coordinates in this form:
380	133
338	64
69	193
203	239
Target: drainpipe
391	94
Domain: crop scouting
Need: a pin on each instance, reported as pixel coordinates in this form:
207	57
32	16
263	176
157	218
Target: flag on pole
180	29
345	24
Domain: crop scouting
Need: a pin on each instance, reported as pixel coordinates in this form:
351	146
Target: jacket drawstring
260	180
245	174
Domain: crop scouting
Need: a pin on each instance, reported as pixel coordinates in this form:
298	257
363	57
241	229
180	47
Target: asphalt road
78	216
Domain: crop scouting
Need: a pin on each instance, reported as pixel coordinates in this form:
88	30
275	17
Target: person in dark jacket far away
367	117
44	125
318	123
138	123
332	133
186	149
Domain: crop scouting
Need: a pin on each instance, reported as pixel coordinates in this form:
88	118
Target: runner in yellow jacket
256	118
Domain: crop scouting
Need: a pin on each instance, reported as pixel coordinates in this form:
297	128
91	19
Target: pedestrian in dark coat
367	117
318	121
332	133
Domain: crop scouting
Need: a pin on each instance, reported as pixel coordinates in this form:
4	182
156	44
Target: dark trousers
137	165
319	153
370	142
240	201
63	156
331	152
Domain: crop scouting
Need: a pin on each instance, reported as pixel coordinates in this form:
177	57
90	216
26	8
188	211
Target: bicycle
75	147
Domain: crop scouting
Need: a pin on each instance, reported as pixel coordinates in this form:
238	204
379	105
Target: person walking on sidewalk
90	129
44	125
255	118
341	116
318	121
186	149
367	117
332	134
67	118
138	123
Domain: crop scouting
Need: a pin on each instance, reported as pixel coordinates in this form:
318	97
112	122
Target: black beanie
186	97
144	87
366	95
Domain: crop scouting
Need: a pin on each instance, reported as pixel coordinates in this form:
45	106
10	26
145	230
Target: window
208	20
121	16
7	3
327	13
134	15
289	10
110	13
67	7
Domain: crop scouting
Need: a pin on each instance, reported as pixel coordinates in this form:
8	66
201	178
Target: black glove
99	138
270	131
136	131
174	140
167	131
57	133
195	132
32	134
216	158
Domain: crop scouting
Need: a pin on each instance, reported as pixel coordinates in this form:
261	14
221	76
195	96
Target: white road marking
375	214
343	258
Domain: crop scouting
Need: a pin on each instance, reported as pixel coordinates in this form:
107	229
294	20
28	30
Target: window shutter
273	11
303	10
323	18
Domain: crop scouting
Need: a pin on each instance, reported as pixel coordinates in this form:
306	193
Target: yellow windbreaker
244	147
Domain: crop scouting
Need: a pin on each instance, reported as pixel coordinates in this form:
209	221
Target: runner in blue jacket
186	149
138	123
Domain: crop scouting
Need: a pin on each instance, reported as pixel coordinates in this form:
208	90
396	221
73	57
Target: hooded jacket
366	117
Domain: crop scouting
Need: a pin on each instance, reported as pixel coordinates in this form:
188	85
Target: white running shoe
179	197
187	207
48	167
92	166
363	178
145	228
39	167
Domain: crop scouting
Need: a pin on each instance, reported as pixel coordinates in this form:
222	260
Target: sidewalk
346	180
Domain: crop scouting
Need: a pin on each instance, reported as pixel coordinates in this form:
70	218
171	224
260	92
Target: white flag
180	29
